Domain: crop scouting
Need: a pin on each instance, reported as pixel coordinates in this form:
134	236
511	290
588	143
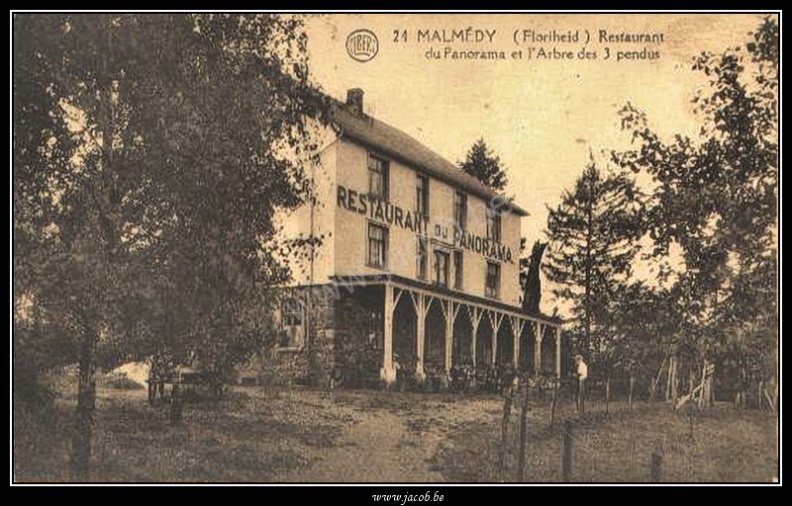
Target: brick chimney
355	100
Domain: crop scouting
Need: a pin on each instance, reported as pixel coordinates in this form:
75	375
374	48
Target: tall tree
592	237
481	163
529	277
716	196
181	135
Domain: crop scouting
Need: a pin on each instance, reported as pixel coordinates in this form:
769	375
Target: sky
542	115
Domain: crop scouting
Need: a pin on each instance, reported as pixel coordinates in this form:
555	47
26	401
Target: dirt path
377	448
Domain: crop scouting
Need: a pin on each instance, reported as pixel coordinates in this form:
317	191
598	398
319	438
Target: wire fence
617	437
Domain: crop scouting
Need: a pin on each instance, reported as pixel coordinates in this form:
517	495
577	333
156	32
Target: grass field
298	435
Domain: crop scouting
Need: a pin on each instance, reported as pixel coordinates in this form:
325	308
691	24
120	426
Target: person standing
582	374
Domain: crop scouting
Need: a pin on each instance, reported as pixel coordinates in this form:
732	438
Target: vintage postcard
396	248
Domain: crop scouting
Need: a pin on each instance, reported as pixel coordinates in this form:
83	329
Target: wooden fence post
760	402
566	457
632	384
523	436
176	404
655	467
507	405
553	406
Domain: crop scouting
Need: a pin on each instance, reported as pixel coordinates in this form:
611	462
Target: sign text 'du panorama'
386	212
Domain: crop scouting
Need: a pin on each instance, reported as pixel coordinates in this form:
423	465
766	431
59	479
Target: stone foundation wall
312	364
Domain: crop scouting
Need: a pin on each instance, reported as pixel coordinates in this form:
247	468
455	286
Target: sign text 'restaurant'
385	212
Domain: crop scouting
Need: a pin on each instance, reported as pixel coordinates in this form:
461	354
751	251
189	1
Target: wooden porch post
517	327
475	319
494	339
495	322
449	333
420	321
388	373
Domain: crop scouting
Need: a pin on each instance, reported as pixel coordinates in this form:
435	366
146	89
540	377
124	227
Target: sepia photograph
304	248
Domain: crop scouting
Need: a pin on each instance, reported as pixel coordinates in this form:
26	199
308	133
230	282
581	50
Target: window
493	225
458	269
492	287
293	331
441	267
460	211
421	257
422	195
374	331
377	246
378	177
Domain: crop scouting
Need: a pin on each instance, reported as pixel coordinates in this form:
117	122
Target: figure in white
582	374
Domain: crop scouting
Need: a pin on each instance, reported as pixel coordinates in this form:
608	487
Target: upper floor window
460	211
378	177
492	284
421	257
377	246
493	225
422	195
458	269
441	267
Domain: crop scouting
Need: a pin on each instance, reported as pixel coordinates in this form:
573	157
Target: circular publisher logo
362	45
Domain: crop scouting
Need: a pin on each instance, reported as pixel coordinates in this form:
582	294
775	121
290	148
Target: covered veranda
431	329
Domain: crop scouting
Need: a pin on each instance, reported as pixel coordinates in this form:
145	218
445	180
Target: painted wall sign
392	214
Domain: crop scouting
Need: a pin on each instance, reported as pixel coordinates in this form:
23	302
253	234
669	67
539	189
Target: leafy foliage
151	152
716	197
165	144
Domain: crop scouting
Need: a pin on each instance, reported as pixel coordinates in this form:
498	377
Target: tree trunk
739	398
668	380
703	391
80	463
656	381
589	239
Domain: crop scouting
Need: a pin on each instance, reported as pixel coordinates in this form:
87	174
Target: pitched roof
393	142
